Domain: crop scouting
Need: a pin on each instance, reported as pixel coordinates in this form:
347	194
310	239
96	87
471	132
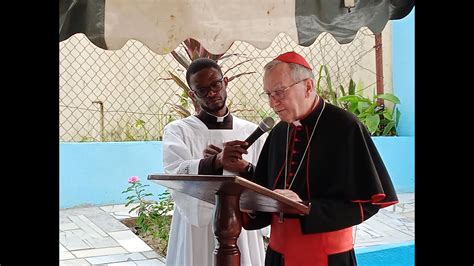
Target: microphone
265	125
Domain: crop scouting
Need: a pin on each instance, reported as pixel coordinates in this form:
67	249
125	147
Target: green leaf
184	98
367	100
332	93
129	136
360	87
318	83
342	90
389	97
388	127
352	98
387	114
397	118
362	107
139	123
352	87
372	122
140	219
353	107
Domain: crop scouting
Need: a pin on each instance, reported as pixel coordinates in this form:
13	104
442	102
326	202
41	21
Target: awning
162	25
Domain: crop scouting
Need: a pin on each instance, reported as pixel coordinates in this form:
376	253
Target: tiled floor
95	236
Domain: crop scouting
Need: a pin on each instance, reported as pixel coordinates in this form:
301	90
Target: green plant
132	131
87	139
371	111
163	221
129	132
327	93
153	217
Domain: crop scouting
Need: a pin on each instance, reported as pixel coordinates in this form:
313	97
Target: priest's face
286	96
208	88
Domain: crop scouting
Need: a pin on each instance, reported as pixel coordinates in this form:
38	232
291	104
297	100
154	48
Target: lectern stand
229	194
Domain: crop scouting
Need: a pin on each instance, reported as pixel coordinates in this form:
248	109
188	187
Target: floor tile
115	258
130	241
99	252
74	262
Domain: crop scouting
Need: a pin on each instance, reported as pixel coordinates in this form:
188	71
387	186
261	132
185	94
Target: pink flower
133	179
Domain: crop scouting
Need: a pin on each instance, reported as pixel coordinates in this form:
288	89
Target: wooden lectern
229	194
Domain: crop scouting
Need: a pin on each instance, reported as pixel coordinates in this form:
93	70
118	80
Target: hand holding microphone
231	155
230	158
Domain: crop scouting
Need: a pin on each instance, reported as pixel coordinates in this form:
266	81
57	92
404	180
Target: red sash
311	249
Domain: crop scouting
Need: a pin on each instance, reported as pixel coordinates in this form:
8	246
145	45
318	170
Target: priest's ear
309	86
192	95
226	81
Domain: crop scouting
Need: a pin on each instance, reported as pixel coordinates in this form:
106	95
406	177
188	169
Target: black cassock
340	173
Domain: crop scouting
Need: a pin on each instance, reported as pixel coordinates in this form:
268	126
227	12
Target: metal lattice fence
126	94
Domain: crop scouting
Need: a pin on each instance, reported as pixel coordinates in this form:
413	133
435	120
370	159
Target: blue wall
403	67
96	173
398	154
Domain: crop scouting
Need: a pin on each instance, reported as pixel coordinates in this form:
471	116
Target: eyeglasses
279	94
215	86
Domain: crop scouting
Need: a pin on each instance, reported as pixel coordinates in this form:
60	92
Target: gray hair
297	72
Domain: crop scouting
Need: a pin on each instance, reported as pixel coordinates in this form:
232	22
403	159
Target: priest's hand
289	194
238	166
230	158
211	150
